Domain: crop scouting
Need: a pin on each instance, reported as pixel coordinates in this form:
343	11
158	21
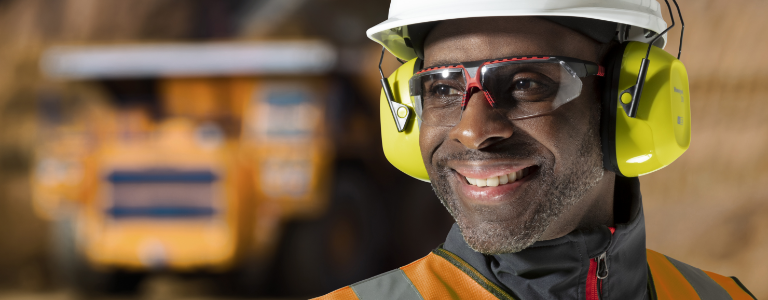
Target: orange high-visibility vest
443	275
671	279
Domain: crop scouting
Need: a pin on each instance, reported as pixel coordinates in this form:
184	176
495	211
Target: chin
521	218
497	237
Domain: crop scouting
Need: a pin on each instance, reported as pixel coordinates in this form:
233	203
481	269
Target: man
516	158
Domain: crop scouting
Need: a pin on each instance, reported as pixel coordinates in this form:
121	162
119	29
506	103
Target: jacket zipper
598	271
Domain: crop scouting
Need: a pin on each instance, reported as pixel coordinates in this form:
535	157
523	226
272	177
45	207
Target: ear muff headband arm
682	29
636	91
400	112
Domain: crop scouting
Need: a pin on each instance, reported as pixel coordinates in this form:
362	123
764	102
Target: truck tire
73	270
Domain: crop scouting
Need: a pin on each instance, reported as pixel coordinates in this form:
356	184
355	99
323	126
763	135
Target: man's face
559	153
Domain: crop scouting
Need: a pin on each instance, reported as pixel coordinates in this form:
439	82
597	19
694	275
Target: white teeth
497	180
503	179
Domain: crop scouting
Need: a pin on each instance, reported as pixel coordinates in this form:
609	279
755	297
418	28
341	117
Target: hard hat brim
391	32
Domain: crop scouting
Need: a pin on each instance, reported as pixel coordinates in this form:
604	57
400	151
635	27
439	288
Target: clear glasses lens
518	89
442	92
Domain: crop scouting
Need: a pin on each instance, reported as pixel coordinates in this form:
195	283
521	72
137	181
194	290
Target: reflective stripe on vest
443	275
439	275
673	279
391	285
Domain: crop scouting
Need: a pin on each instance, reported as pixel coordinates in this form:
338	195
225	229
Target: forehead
472	39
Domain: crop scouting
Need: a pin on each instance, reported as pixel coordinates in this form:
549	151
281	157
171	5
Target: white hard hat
632	15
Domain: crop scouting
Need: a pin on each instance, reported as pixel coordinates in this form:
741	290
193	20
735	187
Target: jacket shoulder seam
472	273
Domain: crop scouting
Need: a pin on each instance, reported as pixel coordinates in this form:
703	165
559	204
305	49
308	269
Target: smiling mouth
501	180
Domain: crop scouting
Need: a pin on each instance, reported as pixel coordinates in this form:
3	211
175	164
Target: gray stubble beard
555	195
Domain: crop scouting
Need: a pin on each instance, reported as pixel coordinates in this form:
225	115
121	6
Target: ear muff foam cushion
609	108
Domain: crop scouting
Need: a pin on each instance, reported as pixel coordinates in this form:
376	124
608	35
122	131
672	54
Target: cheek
429	139
563	131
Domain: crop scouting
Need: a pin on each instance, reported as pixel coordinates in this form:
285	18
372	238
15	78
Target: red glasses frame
473	73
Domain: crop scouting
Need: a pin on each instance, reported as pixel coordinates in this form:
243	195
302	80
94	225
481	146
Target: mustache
517	151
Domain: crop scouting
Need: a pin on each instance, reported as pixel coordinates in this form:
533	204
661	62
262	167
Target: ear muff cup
661	130
402	148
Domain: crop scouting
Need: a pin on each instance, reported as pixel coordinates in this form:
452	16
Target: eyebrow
442	63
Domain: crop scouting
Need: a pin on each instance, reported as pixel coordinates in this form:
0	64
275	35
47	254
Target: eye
443	90
525	84
532	88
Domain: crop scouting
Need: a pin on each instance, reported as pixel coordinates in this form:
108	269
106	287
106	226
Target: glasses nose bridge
472	73
480	126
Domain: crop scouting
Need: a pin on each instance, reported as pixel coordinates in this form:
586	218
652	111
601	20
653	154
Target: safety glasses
516	87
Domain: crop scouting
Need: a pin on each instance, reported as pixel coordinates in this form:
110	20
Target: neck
594	209
553	268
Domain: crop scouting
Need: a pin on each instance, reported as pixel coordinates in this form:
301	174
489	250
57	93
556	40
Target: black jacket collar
558	269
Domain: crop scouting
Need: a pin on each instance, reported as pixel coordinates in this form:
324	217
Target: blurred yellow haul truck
194	162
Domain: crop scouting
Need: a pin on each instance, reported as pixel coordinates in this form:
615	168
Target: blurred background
210	149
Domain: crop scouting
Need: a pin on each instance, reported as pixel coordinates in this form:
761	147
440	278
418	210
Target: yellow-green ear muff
661	130
632	146
402	147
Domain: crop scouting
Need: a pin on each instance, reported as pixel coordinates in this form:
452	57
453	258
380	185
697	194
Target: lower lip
488	194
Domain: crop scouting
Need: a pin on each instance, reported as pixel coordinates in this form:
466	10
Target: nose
481	125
